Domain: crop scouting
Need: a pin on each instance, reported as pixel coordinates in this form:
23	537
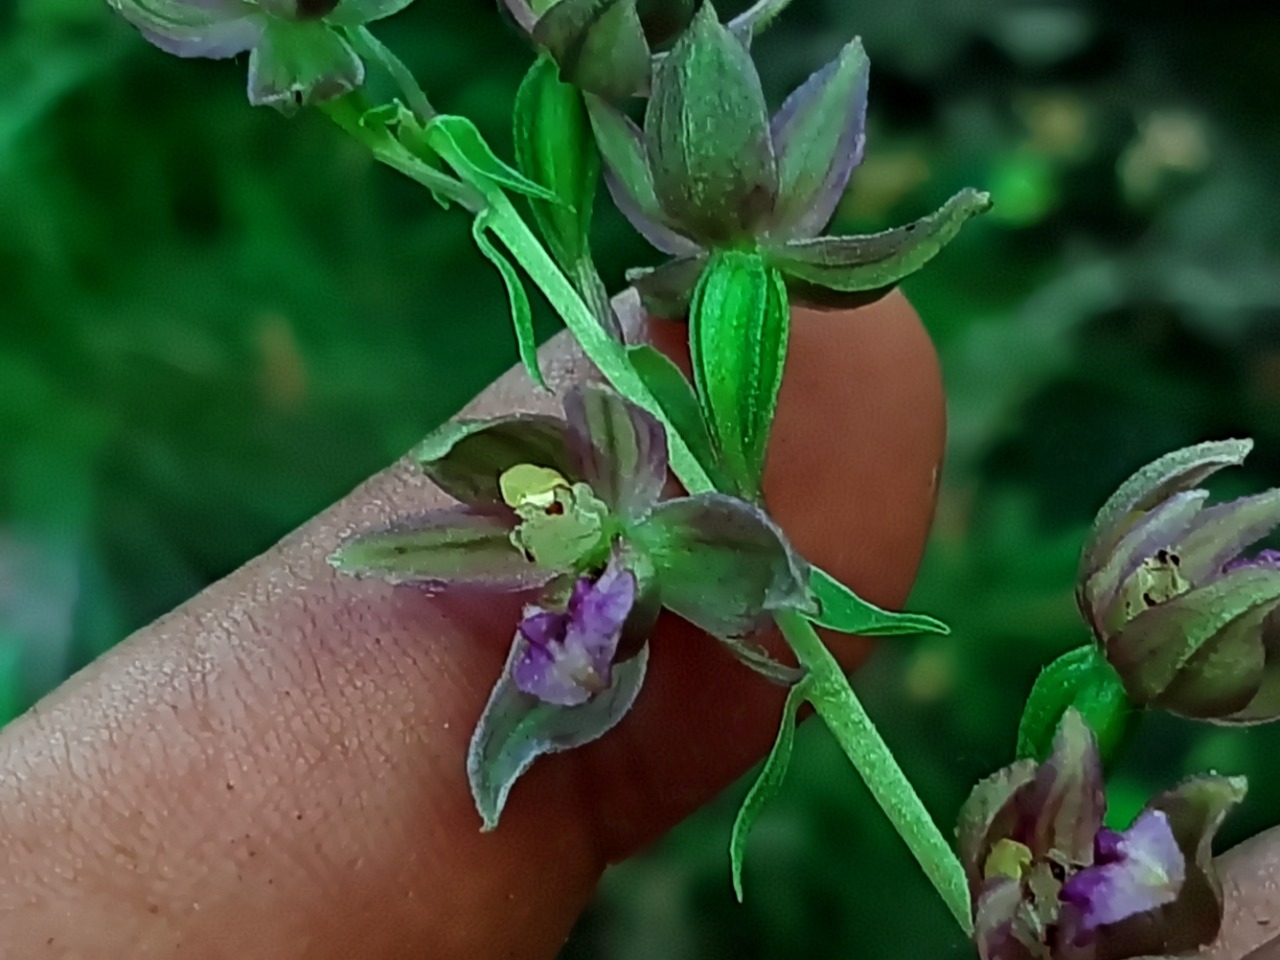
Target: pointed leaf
1170	474
707	135
844	611
627	175
667	291
739	325
456	547
678	404
877	261
465	458
517	298
819	135
722	564
768	781
554	146
516	728
620	449
458	141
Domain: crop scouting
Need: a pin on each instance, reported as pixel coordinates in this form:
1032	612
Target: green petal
444	548
1170	474
465	458
722	564
599	44
516	728
1224	675
873	263
298	64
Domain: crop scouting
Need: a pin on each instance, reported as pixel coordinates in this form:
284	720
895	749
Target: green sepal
1082	679
844	611
599	45
517	298
767	783
707	135
457	140
678	403
739	323
554	146
876	261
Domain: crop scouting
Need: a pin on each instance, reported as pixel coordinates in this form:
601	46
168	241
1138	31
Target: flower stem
847	719
831	694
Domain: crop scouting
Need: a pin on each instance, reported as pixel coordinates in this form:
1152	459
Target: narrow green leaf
458	141
678	403
1080	678
554	146
516	728
767	783
846	612
739	324
877	261
521	311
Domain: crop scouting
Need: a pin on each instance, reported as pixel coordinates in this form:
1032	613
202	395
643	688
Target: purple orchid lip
568	655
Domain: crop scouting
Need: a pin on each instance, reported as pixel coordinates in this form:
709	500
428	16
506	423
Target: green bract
297	54
711	171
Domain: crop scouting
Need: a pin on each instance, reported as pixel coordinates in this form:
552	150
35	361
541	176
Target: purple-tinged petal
1263	558
1224	674
667	291
1155	646
998	919
466	458
567	658
875	262
1158	529
1170	474
620	450
629	179
516	728
1221	532
990	814
819	136
1065	805
301	63
1145	870
722	564
215	29
457	547
1265	705
1195	810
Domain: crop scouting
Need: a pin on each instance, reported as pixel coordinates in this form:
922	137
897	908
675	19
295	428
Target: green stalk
832	695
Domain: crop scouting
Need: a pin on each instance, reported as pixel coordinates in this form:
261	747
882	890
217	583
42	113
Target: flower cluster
297	53
574	509
1187	617
1050	882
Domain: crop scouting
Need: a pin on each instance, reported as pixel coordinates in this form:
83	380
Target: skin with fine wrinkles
274	771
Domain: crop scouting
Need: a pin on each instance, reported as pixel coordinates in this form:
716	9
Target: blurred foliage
213	322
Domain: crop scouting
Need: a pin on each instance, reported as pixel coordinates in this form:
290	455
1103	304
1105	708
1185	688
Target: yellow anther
1007	858
525	485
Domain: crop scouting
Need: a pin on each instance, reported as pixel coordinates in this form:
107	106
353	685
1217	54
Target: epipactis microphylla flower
297	55
1189	619
574	508
709	171
1050	882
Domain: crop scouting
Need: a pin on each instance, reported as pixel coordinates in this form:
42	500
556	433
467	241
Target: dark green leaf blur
214	322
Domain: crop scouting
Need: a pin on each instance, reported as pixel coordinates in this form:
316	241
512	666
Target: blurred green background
214	321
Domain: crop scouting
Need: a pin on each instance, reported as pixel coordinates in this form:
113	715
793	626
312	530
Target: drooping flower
1050	882
297	54
574	508
709	171
1189	619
